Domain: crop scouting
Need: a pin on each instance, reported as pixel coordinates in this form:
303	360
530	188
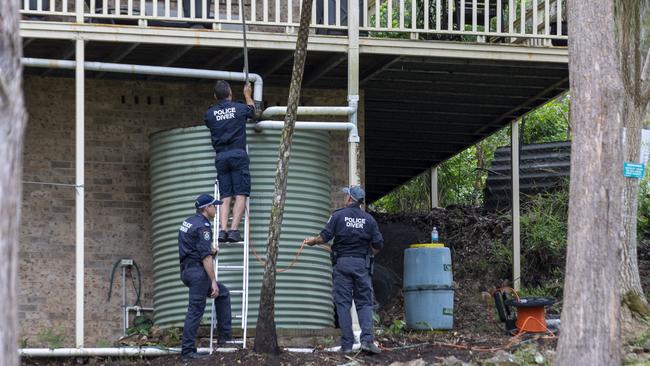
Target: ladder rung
229	342
236	291
232	242
231	268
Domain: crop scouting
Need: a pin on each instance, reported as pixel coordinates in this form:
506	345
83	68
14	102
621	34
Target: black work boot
234	236
194	356
223	236
370	347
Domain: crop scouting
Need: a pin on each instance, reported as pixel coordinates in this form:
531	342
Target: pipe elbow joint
353	136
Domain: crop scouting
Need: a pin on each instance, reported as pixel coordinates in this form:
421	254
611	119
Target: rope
295	258
243	21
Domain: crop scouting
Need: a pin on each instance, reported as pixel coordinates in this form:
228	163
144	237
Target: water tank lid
430	245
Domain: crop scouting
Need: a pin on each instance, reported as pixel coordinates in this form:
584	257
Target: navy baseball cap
356	192
205	200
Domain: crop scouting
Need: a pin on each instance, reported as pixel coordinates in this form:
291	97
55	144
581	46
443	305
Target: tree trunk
12	126
591	312
266	340
634	301
629	25
480	171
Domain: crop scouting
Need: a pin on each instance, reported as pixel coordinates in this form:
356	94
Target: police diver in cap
195	253
356	239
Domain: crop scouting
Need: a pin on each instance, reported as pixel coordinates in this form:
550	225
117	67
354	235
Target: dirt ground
473	237
433	349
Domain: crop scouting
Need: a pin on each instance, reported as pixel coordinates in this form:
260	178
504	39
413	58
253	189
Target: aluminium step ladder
243	292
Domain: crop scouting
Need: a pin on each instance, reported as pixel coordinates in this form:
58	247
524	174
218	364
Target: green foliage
171	337
500	261
411	197
549	123
141	325
552	289
397	327
456	179
643	223
52	337
327	341
644	337
544	237
543	246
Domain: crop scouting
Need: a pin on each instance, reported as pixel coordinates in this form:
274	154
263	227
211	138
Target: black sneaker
234	236
346	351
194	356
223	342
223	236
370	348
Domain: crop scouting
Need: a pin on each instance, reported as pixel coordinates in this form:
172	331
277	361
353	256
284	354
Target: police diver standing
195	252
356	239
227	123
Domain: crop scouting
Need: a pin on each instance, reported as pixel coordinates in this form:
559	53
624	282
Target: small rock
631	357
418	362
539	359
353	363
452	361
502	358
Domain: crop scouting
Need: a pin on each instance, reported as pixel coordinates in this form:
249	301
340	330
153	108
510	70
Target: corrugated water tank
182	167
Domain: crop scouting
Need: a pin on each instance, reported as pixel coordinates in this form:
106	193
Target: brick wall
120	116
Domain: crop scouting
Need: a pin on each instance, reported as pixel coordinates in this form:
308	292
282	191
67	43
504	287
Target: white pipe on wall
309	111
137	351
108	351
323	126
78	65
353	144
153	70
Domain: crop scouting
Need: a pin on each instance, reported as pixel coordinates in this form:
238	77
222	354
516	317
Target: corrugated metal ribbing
182	167
542	167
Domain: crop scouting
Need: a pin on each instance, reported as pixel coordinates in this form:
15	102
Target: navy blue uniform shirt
353	230
194	239
227	123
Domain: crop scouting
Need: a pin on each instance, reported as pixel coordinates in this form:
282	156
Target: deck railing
482	20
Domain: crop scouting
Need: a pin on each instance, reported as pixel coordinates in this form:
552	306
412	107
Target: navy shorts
233	173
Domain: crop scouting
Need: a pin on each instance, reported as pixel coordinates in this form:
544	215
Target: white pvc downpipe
516	223
78	65
258	84
112	351
309	111
139	351
434	187
323	126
